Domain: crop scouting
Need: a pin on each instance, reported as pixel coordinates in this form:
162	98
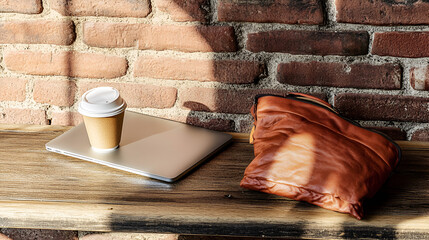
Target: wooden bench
39	189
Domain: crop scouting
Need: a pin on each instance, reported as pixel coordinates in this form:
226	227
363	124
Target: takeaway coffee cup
103	114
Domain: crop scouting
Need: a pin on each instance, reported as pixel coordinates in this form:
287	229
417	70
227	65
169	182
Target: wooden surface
39	189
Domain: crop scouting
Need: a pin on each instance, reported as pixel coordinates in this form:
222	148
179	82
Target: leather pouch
305	150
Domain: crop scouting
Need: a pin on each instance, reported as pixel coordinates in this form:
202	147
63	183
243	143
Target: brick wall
202	61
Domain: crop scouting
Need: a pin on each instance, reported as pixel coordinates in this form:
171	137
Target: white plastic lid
101	102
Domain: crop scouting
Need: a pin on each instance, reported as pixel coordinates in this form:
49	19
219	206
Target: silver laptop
150	146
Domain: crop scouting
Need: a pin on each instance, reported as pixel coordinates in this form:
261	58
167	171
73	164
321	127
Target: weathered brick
37	31
419	77
393	132
23	116
17	234
401	44
12	89
217	100
421	135
383	107
309	42
216	124
383	12
55	92
28	6
227	71
138	95
73	64
182	11
274	11
222	100
157	37
224	125
66	118
108	8
357	75
246	125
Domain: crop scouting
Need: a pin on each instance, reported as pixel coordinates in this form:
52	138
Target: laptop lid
150	146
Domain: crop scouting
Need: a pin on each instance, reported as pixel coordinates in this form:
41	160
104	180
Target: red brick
157	37
66	118
393	132
274	11
138	95
401	44
72	64
222	100
227	71
183	11
108	8
17	234
309	42
12	89
419	77
383	107
216	124
357	75
55	92
421	135
23	116
217	100
383	12
28	6
38	31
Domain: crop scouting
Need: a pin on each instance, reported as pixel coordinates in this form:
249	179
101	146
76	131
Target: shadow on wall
69	64
209	106
232	99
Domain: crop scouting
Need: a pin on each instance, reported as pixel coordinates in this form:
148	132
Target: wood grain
39	189
33	128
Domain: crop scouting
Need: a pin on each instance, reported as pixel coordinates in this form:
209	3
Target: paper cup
103	114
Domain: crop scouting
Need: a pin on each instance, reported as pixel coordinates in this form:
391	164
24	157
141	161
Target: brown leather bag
306	151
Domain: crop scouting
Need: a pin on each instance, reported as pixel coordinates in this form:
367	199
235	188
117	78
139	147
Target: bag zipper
319	103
